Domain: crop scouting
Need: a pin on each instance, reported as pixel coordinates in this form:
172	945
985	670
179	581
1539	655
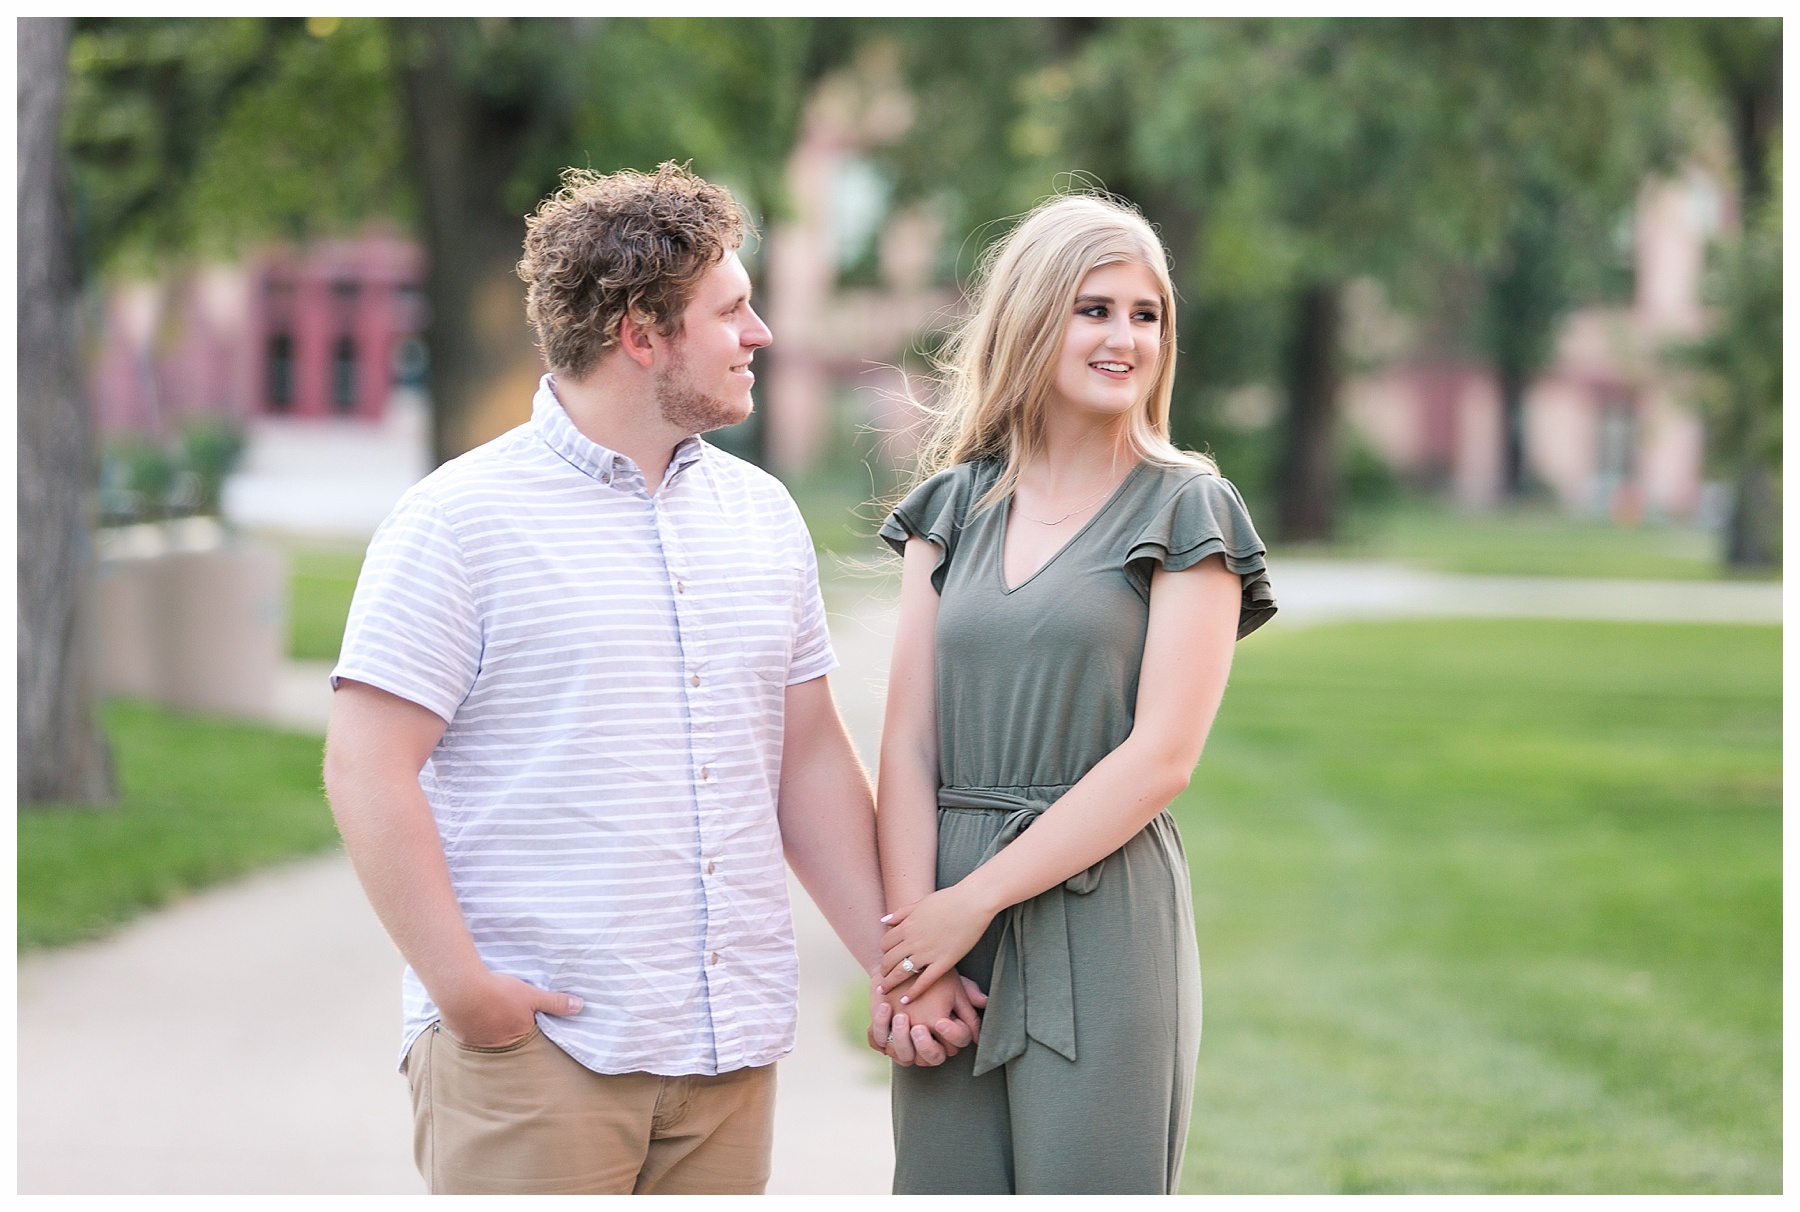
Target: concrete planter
192	617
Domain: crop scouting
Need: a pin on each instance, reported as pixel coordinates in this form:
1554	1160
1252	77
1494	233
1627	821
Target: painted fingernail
575	1005
887	919
880	989
904	1000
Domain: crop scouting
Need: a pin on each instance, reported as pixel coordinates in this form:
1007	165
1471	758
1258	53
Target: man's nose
758	334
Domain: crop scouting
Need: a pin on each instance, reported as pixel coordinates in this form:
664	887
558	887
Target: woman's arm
906	816
1187	657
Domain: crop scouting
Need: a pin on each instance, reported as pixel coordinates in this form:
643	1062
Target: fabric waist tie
1032	993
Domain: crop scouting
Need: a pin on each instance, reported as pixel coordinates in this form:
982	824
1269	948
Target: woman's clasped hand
925	940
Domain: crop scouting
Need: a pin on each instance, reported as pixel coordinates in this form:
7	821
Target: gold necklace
1059	521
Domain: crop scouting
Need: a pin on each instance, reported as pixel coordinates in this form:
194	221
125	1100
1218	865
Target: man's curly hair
605	246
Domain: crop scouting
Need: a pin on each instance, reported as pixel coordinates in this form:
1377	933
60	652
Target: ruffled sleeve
935	510
1205	516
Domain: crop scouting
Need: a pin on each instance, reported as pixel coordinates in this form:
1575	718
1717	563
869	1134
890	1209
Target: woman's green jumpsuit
1083	1078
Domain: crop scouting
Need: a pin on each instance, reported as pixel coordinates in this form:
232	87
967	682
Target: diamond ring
906	965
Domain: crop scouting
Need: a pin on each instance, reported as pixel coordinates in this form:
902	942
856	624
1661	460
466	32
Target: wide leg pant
1113	1120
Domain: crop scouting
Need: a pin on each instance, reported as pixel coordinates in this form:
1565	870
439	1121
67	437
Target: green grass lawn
322	582
202	801
1529	542
1491	906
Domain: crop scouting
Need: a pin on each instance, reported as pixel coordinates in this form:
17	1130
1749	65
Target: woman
1072	588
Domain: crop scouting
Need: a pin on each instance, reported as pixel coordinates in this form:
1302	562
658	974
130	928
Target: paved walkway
1317	591
244	1040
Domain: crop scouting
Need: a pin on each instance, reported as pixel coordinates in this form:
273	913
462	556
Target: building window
343	374
281	372
410	362
1618	442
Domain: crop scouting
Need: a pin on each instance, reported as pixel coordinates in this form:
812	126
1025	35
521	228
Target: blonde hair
997	369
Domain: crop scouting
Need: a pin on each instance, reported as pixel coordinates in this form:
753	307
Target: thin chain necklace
1059	521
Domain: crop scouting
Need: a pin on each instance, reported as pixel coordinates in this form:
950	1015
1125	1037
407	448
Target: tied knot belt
1032	993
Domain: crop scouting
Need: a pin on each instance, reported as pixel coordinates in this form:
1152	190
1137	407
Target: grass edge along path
1491	907
202	801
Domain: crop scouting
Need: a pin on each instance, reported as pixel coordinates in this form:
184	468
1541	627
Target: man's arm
827	815
375	746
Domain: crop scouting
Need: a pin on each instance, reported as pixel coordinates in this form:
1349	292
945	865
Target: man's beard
690	410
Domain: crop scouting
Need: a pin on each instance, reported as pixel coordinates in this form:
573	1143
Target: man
581	713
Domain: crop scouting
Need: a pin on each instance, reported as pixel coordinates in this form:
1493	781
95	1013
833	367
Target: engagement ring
906	965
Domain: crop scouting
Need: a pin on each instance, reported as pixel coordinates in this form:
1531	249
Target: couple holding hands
582	726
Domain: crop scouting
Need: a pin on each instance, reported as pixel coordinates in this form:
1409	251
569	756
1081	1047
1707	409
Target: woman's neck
1078	453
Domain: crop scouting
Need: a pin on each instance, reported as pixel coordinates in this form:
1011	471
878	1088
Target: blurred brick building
316	351
1608	428
324	332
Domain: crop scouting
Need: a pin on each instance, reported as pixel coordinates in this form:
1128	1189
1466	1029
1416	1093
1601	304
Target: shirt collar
586	455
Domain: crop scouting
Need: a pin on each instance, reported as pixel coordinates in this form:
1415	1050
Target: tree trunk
1753	532
1307	487
63	756
1755	101
1512	422
1752	535
464	146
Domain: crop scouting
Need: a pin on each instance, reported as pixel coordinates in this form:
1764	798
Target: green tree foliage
974	140
1283	158
315	147
195	135
726	93
1581	114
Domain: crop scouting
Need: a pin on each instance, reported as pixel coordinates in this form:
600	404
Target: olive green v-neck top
1038	682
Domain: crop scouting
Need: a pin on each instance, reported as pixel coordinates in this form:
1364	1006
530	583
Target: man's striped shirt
612	667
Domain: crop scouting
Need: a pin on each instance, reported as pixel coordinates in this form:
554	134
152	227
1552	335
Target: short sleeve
935	510
813	656
1205	516
414	629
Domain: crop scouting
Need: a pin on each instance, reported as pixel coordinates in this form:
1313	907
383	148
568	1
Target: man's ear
637	340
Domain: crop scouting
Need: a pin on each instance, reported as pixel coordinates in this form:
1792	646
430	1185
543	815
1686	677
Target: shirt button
695	679
680	588
709	867
715	957
706	772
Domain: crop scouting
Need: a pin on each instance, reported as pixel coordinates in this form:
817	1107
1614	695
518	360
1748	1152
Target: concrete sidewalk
1320	591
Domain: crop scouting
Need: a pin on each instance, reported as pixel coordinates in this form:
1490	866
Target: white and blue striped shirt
612	666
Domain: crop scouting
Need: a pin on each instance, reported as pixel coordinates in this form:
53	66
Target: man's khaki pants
529	1119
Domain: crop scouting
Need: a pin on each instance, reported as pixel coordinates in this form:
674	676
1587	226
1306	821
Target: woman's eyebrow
1108	300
